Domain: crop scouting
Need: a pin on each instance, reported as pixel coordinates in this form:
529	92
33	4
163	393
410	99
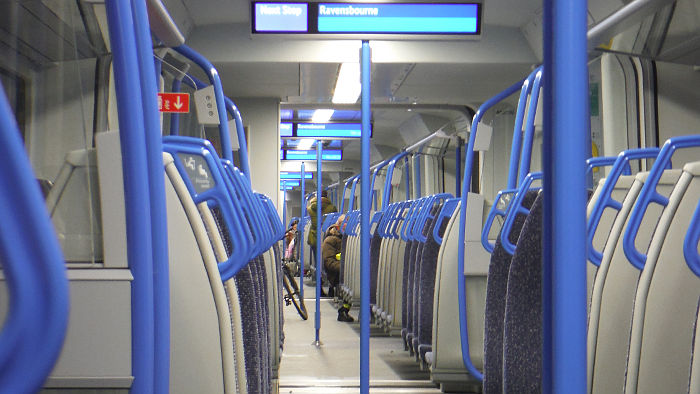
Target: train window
55	69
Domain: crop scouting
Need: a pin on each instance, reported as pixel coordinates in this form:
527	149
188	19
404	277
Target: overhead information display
451	20
295	175
310	155
326	130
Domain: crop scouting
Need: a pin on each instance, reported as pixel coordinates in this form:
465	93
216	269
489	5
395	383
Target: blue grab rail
690	243
37	319
517	145
621	165
516	208
468	166
447	210
495	211
648	195
529	135
427	214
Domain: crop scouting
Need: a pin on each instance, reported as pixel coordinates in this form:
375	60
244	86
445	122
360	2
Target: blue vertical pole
156	178
284	201
319	238
564	226
364	221
138	224
175	117
458	169
300	226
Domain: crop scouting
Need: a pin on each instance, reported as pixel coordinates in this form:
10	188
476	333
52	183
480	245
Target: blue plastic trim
447	210
214	78
364	234
516	208
175	117
529	135
458	167
401	215
605	161
427	214
488	246
517	145
648	195
690	243
468	166
34	270
156	177
620	166
136	185
342	201
565	149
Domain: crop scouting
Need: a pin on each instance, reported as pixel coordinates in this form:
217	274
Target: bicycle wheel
293	294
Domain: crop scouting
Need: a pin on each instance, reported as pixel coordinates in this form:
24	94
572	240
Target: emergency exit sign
174	102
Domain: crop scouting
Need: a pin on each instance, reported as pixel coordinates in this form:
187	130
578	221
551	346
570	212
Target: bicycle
290	285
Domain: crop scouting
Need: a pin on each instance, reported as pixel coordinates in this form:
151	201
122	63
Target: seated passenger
331	262
312	209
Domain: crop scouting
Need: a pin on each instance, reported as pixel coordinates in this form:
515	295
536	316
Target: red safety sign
174	102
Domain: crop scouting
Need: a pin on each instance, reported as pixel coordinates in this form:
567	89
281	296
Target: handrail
389	175
214	78
690	243
35	274
605	200
351	198
468	165
126	53
516	208
648	195
436	199
447	210
401	215
342	201
605	161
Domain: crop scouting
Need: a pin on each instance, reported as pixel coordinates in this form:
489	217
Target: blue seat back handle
516	207
218	195
495	211
385	219
620	166
690	243
412	218
446	212
428	214
401	214
604	161
649	195
238	192
408	218
275	222
250	206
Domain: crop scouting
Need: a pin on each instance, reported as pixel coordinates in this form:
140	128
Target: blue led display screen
295	175
375	18
286	129
330	130
280	17
329	155
396	19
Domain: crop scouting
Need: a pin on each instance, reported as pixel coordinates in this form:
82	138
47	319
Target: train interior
171	231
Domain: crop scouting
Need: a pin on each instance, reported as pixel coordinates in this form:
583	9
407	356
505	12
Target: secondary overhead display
449	19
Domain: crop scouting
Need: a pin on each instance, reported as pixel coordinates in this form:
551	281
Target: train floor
333	367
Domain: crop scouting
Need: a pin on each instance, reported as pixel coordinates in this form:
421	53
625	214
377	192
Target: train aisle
334	367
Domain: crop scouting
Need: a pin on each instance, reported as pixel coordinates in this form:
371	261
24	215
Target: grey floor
334	366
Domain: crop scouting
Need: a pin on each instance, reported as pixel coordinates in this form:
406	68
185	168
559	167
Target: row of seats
643	305
225	275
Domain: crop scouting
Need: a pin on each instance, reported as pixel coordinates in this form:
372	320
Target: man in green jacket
326	207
